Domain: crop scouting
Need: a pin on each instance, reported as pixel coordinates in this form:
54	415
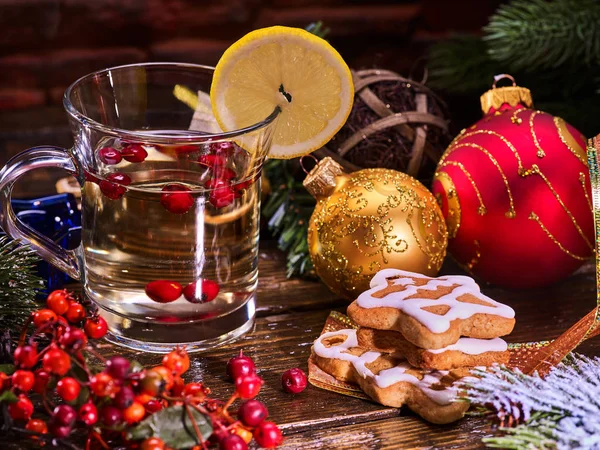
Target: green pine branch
18	281
551	47
461	65
559	411
318	29
540	437
533	35
288	211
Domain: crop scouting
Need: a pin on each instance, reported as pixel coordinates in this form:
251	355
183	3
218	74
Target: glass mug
170	206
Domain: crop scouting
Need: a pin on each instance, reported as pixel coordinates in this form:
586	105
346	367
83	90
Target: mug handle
36	158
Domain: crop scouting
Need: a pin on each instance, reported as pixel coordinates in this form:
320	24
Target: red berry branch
122	404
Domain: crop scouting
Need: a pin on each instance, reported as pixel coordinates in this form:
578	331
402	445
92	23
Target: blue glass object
58	218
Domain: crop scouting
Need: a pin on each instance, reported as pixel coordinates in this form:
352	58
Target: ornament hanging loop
310	155
503	76
494	99
321	181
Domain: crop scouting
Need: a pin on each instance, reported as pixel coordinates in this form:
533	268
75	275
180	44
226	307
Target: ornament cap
321	180
495	98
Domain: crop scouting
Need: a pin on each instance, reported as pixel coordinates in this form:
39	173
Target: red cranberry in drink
221	197
212	160
119	178
183	149
176	198
239	366
225	173
239	188
109	155
294	381
112	190
223	148
92	178
201	291
134	153
252	413
216	183
163	291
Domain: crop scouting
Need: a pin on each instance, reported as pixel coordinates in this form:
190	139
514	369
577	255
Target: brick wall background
47	44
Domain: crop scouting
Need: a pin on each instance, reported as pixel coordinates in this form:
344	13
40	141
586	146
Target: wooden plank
407	432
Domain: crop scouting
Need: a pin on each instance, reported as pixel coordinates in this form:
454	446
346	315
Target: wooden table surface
291	314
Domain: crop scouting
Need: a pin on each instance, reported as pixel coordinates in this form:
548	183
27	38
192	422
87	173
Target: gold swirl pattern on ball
482	209
376	218
570	142
535	217
454	210
540	151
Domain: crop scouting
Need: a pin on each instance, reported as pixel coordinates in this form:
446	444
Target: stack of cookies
417	337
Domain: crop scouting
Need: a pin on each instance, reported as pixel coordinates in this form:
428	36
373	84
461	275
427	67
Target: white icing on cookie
472	346
386	377
414	306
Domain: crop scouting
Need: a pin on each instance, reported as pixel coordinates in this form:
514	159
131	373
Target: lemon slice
290	68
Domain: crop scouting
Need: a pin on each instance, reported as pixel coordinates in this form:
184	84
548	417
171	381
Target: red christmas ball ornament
515	191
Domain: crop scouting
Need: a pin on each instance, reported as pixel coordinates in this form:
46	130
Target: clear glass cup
170	206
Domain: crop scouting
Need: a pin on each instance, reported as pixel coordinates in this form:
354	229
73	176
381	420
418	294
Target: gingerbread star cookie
431	313
390	381
466	352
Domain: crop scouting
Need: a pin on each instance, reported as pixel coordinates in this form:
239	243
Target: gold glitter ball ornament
370	220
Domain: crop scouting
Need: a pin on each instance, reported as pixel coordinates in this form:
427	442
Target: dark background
47	44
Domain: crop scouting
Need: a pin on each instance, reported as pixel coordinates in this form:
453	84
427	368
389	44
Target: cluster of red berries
108	403
133	153
167	291
252	413
52	368
113	186
223	191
